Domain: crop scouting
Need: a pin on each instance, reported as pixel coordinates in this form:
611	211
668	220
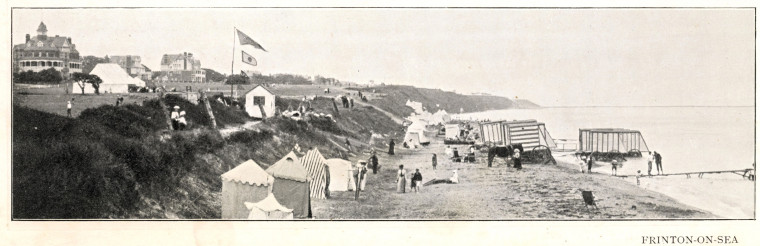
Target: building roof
289	167
42	27
249	172
49	43
170	58
609	130
257	86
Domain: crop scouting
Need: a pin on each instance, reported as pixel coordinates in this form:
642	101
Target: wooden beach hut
245	183
259	102
611	140
291	185
529	133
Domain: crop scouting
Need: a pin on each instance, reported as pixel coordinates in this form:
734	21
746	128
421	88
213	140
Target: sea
690	139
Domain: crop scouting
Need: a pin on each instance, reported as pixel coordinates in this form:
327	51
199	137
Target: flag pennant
245	40
243	73
248	59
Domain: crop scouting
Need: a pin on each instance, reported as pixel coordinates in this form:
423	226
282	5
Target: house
181	68
259	102
43	52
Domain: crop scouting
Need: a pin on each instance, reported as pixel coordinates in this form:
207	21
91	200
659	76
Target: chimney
69	40
27	38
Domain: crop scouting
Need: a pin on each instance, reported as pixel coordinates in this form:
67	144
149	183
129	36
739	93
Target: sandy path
535	193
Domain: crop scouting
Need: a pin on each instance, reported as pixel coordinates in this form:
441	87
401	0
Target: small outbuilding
247	182
259	102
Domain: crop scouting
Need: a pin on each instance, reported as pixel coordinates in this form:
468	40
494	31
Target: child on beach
638	176
435	161
614	167
582	164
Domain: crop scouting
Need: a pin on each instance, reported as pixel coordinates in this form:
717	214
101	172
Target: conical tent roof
249	172
269	204
289	167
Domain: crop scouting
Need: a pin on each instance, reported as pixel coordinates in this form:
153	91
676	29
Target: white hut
259	102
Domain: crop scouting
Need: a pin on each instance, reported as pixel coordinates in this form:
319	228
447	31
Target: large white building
43	52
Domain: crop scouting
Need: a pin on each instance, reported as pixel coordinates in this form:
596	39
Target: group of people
178	119
416	181
654	158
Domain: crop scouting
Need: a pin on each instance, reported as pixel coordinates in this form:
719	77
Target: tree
237	79
213	76
81	79
50	75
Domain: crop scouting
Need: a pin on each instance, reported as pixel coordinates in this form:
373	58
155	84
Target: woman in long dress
401	180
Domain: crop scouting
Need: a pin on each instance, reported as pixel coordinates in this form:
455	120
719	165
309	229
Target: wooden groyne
746	173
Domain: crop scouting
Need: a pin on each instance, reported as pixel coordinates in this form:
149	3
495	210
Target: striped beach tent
316	165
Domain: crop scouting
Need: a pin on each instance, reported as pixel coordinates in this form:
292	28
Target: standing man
373	160
348	145
649	163
68	109
435	161
416	180
390	147
658	161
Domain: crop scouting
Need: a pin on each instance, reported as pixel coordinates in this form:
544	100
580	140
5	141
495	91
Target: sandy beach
538	192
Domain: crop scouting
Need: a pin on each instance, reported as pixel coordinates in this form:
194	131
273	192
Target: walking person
361	175
435	161
658	161
391	144
516	159
416	180
614	167
401	180
348	145
649	164
68	109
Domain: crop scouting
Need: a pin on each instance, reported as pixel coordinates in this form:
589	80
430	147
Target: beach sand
538	192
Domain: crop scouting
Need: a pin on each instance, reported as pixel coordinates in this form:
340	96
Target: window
257	100
49	64
34	64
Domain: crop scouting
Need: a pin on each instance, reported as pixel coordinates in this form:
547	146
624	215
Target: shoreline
703	193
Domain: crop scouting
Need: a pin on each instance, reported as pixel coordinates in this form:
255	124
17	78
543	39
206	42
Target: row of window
49	64
48	54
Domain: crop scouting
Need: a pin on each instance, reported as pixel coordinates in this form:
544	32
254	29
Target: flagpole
232	67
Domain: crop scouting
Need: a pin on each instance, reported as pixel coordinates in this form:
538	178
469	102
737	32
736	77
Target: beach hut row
285	189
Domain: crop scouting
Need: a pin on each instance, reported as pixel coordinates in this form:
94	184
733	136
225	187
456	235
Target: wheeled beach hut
529	133
605	141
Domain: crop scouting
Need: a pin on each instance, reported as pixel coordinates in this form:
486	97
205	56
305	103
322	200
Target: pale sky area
554	57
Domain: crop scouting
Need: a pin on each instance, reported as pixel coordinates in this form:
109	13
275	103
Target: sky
554	57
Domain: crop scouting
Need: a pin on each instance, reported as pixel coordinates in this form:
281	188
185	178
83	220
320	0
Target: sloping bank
121	162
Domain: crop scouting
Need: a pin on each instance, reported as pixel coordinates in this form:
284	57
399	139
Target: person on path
175	118
435	161
373	160
68	109
416	180
658	161
614	167
649	164
348	145
517	160
182	121
351	102
401	180
589	163
391	144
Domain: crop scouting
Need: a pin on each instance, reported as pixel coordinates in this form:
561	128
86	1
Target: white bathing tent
415	135
452	131
440	117
115	79
259	102
341	178
268	209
